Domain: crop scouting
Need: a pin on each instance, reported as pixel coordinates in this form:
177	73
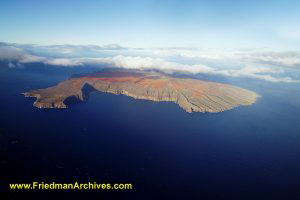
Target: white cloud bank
268	66
169	67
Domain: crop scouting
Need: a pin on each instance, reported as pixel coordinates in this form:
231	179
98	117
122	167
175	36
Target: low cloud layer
252	63
10	53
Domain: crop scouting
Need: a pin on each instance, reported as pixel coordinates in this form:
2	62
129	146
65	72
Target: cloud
252	63
153	63
288	59
28	58
113	46
260	73
17	65
66	49
10	53
284	59
130	62
11	65
64	62
249	71
258	70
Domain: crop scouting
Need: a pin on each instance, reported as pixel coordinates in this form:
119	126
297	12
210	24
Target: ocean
250	152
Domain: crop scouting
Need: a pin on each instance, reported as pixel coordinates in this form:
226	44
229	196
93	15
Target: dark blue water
246	153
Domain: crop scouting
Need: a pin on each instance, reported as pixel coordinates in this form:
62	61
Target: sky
269	24
257	39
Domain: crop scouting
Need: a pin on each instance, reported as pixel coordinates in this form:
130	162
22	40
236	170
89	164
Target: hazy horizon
154	23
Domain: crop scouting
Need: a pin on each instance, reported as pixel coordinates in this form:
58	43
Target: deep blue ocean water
245	153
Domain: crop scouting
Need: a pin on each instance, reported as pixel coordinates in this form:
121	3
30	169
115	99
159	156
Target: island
191	94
